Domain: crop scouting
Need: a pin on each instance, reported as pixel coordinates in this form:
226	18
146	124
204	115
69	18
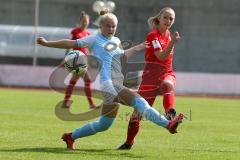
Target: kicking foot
173	124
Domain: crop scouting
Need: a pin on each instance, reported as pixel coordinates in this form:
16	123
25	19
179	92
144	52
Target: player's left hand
175	37
143	45
146	44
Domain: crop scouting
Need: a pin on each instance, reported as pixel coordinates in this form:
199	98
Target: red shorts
152	88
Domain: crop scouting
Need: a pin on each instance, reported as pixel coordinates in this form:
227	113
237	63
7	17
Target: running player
158	76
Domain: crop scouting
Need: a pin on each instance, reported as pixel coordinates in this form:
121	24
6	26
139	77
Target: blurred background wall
210	29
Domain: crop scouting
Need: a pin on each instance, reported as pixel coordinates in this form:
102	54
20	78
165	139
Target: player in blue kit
107	48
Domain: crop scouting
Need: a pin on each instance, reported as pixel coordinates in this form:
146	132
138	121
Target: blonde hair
105	14
153	22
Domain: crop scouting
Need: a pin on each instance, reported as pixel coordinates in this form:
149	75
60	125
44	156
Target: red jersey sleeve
153	42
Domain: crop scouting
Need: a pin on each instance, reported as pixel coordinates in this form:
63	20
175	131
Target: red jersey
78	33
154	67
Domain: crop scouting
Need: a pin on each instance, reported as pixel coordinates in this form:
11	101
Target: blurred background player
158	76
77	33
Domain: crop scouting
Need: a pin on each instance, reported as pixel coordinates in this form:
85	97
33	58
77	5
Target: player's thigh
126	96
110	110
148	91
86	78
75	77
168	83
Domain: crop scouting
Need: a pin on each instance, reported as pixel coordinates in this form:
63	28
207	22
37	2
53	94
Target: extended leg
109	113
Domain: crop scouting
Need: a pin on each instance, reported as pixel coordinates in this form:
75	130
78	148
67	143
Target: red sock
134	124
88	92
133	127
69	90
168	101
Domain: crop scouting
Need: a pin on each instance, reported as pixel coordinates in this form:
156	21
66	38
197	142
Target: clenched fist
41	40
175	37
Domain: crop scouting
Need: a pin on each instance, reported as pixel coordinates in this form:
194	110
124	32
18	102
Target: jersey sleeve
119	43
86	42
153	42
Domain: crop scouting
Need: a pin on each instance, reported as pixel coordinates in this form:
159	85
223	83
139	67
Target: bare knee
167	86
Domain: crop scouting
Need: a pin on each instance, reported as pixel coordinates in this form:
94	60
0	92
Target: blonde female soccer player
106	47
158	75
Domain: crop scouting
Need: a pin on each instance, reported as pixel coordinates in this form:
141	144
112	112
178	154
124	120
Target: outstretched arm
63	43
129	52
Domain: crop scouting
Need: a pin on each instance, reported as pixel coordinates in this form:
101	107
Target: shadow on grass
94	152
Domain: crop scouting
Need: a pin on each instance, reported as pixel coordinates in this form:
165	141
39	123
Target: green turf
30	130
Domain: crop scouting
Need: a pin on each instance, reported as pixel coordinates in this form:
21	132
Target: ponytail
105	14
153	22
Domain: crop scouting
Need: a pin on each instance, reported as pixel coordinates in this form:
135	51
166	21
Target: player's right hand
41	40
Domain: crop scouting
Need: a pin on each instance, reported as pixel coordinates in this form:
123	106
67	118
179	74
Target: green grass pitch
30	130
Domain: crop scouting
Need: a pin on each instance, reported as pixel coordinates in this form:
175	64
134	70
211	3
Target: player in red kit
78	33
158	76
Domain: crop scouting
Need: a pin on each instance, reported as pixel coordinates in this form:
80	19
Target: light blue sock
142	106
92	128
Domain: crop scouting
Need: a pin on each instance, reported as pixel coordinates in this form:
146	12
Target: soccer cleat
173	124
171	114
67	137
66	104
93	106
125	146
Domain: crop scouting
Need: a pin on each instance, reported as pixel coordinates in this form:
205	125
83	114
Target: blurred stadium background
207	60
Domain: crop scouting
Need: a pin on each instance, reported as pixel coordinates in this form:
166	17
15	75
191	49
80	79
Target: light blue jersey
109	52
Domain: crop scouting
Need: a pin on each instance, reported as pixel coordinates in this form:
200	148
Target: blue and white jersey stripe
108	51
